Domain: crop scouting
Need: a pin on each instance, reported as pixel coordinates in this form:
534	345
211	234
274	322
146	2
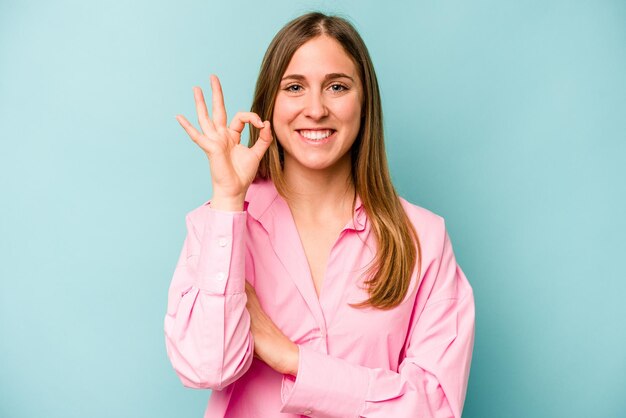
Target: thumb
263	142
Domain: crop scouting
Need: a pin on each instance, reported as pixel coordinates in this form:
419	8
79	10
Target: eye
293	88
338	88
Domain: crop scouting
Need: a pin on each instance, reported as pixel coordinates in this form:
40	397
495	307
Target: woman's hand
233	165
270	344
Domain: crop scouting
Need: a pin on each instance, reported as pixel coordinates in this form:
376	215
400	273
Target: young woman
305	285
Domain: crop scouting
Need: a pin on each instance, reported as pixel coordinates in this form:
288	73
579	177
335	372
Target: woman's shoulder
421	216
429	225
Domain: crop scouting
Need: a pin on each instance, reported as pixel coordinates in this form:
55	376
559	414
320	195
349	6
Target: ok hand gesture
233	165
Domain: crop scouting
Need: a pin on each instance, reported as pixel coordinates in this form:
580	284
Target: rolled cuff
325	387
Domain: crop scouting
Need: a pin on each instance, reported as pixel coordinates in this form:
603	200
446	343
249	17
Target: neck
317	194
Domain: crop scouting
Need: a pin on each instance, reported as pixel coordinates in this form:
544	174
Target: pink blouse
409	361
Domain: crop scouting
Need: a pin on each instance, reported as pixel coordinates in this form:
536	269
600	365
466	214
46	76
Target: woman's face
317	113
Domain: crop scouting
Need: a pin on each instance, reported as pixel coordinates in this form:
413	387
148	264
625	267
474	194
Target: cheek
284	111
349	112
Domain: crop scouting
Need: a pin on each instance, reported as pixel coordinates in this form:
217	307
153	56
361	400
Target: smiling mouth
317	134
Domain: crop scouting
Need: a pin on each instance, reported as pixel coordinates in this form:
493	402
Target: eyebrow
327	77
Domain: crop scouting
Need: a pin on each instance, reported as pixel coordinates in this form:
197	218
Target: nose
315	108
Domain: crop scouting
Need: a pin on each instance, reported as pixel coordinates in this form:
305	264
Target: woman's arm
431	381
432	377
207	326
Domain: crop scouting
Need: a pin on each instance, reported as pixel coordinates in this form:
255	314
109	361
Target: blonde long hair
389	275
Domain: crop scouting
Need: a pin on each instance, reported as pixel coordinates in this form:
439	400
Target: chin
317	163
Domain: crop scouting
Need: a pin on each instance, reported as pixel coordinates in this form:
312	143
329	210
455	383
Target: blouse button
220	276
222	242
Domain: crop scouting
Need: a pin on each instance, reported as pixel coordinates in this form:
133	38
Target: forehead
320	56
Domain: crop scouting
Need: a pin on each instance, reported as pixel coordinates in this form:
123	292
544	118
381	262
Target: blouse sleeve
431	380
207	326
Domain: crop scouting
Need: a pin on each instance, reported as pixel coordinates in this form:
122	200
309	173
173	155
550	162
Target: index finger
219	110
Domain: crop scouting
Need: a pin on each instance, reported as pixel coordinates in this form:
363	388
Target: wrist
228	203
293	359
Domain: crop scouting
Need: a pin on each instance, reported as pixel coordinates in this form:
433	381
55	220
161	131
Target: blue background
506	118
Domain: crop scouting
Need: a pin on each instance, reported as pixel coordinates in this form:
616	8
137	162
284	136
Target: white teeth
316	135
